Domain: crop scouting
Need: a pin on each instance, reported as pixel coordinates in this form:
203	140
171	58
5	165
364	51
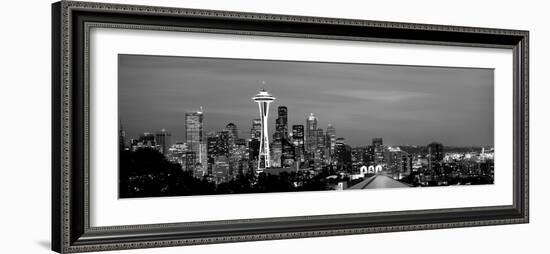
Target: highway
378	182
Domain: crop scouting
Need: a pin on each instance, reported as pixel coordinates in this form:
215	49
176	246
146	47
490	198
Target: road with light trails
378	182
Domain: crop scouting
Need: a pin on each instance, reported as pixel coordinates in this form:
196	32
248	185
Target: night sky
405	105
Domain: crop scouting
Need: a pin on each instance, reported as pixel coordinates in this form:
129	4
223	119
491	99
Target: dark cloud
402	104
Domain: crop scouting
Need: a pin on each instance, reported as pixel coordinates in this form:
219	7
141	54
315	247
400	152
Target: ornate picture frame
71	24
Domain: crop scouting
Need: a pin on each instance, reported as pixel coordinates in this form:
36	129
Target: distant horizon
246	135
404	105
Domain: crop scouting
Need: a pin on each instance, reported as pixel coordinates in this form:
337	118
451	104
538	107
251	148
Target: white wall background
25	125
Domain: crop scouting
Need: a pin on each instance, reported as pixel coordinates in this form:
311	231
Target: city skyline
238	165
255	126
140	106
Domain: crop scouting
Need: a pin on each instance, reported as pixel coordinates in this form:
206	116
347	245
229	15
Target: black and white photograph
204	126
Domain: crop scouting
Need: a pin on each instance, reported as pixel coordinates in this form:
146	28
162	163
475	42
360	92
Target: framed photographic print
181	126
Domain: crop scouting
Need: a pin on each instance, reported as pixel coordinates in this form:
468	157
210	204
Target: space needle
263	98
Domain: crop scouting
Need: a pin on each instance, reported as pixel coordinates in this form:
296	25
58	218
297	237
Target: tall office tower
358	157
320	149
231	128
211	151
369	155
276	150
298	142
330	142
378	146
343	155
394	158
406	162
238	164
263	98
238	157
194	137
256	130
311	138
222	147
435	157
189	158
281	123
163	141
280	136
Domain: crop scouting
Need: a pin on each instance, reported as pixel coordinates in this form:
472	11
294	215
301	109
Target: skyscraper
276	150
212	151
311	136
343	155
435	157
319	153
406	163
223	146
378	146
194	136
263	98
357	157
331	142
435	151
369	155
298	141
163	141
189	160
281	123
256	130
394	159
233	133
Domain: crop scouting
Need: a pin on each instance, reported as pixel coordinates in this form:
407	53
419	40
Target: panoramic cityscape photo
203	126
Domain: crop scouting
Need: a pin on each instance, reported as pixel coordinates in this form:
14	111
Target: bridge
378	182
